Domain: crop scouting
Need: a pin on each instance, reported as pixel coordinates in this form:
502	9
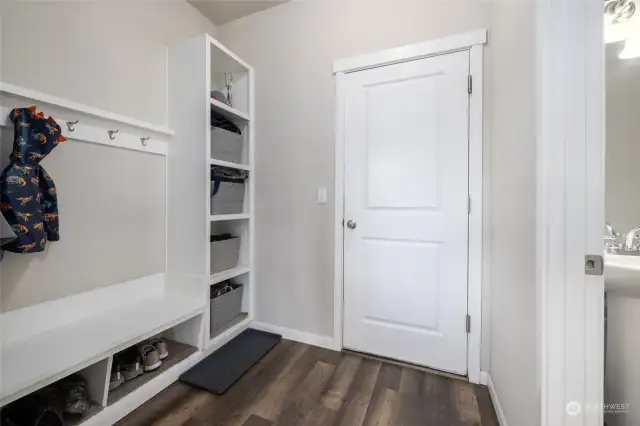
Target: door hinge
468	323
470	84
593	264
469	204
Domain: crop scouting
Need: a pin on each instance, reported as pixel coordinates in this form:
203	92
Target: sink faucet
611	238
631	235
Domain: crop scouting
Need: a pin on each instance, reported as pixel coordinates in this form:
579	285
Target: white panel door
406	192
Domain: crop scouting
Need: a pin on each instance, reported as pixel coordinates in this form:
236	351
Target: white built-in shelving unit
196	68
44	343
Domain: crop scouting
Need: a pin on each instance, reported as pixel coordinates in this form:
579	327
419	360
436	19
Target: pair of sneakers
152	353
137	360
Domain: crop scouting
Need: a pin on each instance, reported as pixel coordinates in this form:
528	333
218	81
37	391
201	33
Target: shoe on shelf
116	378
150	357
76	395
161	347
41	408
130	365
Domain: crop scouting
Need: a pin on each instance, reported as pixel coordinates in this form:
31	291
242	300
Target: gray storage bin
224	254
229	199
225	308
226	145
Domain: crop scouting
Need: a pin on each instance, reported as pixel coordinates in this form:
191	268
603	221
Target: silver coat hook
112	134
71	125
144	140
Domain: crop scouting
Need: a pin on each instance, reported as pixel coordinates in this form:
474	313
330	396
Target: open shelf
229	112
30	363
209	145
238	322
228	274
221	217
214	162
94	376
178	352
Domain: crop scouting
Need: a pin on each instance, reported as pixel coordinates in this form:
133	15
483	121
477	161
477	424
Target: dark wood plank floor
297	384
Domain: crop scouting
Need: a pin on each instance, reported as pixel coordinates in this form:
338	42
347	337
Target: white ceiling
223	11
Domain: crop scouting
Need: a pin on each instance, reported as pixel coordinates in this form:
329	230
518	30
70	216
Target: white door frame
570	211
474	43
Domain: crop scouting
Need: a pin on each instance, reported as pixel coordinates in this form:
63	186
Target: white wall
623	140
110	55
622	376
292	48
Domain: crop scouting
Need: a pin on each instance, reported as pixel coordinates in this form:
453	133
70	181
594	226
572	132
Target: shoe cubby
53	398
230	309
229	148
229	192
237	248
182	342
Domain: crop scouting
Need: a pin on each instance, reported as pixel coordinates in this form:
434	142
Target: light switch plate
322	195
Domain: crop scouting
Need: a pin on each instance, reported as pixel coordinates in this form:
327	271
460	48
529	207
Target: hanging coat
28	199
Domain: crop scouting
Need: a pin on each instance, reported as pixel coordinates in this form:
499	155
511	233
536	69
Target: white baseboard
502	420
296	335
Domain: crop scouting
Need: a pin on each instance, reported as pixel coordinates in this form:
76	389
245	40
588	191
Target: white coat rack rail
136	135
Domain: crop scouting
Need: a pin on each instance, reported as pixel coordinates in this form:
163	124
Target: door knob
351	224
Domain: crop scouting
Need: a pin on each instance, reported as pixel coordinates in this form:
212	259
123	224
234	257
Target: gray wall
110	55
512	233
292	48
112	224
623	140
106	54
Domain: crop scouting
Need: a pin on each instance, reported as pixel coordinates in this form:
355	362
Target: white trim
100	135
338	249
570	210
476	183
411	52
502	420
22	92
594	333
296	335
253	291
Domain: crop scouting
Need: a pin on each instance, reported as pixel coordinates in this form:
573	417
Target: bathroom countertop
622	275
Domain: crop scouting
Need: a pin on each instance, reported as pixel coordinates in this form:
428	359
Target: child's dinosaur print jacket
28	197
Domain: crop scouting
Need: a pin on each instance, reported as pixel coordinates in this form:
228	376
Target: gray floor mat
220	370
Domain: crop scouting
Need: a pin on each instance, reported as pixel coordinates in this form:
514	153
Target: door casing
474	43
570	211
